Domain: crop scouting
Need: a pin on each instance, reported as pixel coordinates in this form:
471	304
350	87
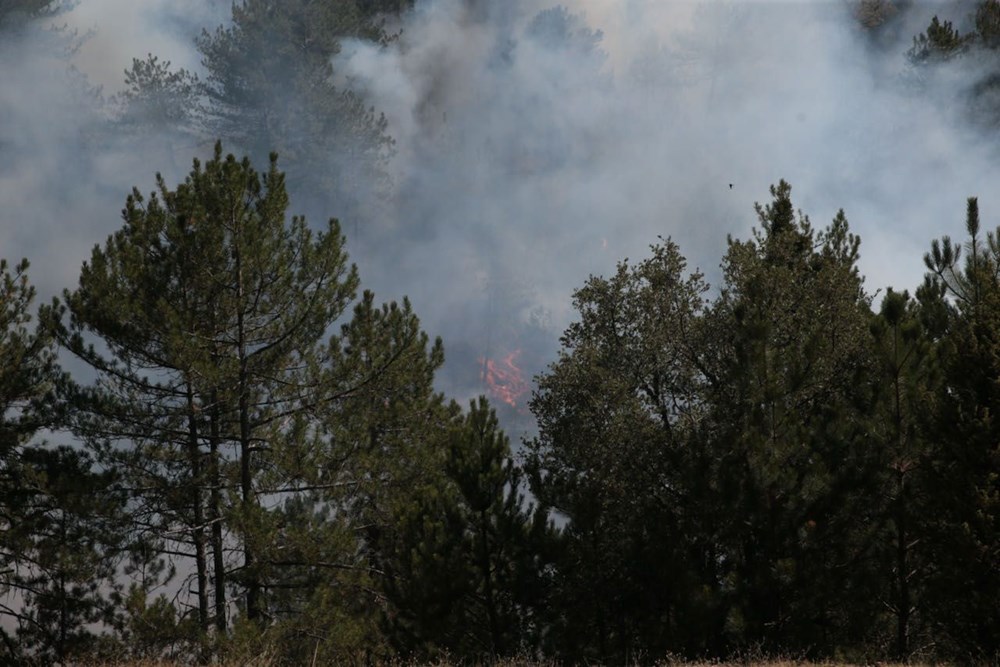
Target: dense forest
217	444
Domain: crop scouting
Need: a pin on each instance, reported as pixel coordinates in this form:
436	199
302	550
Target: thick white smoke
532	155
64	169
121	30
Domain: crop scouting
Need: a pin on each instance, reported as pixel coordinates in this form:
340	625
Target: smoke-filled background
536	143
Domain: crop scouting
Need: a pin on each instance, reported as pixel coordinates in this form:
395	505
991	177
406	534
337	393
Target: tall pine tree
202	317
966	464
788	363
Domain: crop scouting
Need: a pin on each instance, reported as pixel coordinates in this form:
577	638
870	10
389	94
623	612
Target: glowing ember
504	379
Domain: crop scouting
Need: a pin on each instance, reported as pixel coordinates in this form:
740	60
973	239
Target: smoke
121	30
65	168
537	144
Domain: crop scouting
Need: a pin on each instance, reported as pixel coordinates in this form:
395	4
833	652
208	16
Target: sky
536	147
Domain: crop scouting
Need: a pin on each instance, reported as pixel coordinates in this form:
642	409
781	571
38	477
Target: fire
504	379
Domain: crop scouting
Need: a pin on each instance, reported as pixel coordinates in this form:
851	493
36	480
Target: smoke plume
539	143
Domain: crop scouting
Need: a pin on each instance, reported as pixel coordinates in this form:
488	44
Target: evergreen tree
210	305
373	458
905	347
988	24
67	533
157	98
787	364
28	370
15	12
376	8
939	43
59	541
966	464
497	533
975	53
465	569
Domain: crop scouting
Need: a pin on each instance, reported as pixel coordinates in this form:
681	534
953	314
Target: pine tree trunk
902	572
215	516
198	533
63	611
246	470
484	565
902	564
246	488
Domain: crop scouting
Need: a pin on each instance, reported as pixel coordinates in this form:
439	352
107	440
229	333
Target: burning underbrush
505	380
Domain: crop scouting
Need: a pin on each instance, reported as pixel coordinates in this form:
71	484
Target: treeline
778	467
261	463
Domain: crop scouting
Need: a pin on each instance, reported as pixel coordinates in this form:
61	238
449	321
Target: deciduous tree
614	414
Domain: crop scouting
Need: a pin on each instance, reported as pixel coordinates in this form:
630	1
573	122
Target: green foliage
939	43
497	532
558	28
16	12
64	534
965	465
988	23
56	532
375	446
874	14
28	371
905	396
777	468
210	305
459	572
614	413
376	8
154	630
973	54
788	391
712	462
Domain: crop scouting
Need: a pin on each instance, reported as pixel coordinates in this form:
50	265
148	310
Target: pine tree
369	484
939	43
460	565
787	365
58	535
28	370
211	306
395	428
942	48
966	463
158	99
905	348
497	531
67	534
15	12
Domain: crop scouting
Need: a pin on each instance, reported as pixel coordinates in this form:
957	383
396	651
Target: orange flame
504	378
